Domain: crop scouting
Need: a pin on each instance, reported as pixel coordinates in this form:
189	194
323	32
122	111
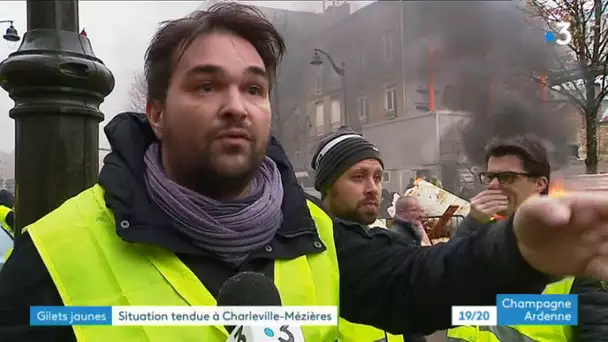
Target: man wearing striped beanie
349	176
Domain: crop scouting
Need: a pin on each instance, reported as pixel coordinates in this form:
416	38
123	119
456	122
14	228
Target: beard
217	171
360	214
367	216
225	171
364	217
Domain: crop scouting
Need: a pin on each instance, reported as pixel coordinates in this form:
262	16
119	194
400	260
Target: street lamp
57	84
317	61
11	34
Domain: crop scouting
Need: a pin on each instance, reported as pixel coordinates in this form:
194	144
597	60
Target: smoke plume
490	49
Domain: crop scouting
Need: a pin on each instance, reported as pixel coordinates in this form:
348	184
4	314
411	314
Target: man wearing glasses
517	169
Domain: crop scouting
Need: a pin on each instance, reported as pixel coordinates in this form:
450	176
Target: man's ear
156	116
541	184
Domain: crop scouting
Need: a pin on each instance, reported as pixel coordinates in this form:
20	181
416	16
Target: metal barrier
446	231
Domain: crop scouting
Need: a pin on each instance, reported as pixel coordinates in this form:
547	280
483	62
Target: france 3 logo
561	36
283	333
287	336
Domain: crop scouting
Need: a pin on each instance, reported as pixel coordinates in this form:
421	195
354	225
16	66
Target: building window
361	61
336	115
390	101
318	82
362	108
386	177
387	45
320	118
450	99
574	151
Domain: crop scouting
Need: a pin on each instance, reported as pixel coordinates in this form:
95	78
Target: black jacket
592	294
382	283
407	233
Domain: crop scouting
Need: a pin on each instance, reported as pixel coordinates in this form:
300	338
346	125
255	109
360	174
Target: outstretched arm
408	289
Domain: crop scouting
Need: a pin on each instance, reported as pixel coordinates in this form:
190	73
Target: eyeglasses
506	177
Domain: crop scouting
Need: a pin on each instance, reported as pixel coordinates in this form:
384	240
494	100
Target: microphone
255	289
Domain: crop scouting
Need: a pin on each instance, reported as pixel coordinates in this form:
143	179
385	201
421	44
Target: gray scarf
231	230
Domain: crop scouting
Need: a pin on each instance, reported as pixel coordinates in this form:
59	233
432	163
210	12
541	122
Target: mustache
234	129
368	200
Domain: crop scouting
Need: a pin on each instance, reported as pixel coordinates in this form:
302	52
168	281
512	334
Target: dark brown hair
175	36
529	149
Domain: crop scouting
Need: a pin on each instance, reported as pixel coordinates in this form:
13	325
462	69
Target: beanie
6	198
337	152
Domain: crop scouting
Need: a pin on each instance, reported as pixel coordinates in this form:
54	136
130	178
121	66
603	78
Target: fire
557	188
418	181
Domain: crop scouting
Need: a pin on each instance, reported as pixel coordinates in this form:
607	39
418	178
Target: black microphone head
249	289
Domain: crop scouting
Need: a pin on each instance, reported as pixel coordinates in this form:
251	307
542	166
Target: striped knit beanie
337	152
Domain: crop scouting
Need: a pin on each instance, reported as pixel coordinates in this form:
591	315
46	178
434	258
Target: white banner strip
228	315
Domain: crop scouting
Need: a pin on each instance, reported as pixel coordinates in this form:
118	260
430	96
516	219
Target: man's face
214	124
521	187
412	210
355	196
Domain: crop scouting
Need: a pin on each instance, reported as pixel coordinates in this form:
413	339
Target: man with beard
349	172
196	191
349	176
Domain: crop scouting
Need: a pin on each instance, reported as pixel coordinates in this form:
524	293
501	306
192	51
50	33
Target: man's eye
255	90
205	87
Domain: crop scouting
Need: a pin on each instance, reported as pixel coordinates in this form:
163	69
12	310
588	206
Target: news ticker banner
521	309
183	315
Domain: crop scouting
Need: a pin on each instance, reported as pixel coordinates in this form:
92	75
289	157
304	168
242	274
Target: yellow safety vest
91	265
518	333
4	211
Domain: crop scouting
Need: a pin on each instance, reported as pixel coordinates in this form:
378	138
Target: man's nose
372	187
494	184
234	103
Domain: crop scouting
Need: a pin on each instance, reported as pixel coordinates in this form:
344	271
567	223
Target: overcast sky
119	32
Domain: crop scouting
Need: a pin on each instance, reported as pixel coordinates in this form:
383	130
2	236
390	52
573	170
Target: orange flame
418	181
557	188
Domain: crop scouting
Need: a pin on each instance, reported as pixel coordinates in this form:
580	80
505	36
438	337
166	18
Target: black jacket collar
139	220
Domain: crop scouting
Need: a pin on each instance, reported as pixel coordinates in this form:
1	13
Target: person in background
410	185
7	215
516	169
408	221
349	171
171	218
349	176
386	201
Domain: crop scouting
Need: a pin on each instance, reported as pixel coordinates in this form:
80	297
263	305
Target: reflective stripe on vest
8	254
91	265
518	333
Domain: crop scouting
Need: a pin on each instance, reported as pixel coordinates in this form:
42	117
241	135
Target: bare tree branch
138	94
586	87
